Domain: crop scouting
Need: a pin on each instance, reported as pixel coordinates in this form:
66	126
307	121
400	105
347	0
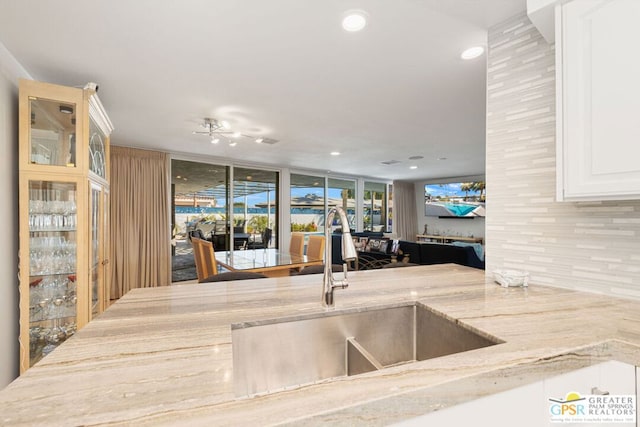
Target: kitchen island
163	356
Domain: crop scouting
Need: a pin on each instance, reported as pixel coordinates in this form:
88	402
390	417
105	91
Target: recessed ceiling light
259	140
413	167
233	144
472	52
335	153
354	20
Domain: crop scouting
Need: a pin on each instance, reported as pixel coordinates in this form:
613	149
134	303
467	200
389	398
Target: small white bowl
511	278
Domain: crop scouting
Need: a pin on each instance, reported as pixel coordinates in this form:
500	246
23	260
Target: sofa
423	253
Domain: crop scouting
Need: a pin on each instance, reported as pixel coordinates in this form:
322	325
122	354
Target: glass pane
52	266
95	249
200	205
53	133
375	206
255	207
97	156
390	219
342	192
307	203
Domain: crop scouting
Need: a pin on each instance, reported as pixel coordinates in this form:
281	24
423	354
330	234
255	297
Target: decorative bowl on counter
511	278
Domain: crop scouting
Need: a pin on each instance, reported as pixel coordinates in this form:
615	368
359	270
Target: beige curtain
405	219
140	240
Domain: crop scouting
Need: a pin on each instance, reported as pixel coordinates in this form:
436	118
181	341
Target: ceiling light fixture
335	153
216	130
354	20
413	167
472	52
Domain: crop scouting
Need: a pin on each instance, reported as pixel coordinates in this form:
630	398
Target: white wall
447	226
9	300
591	246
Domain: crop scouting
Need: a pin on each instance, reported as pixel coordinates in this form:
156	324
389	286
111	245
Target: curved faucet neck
348	254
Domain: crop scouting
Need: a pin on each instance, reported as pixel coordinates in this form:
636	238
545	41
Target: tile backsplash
591	246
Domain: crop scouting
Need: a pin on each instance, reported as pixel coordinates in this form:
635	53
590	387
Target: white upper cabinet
598	99
597	93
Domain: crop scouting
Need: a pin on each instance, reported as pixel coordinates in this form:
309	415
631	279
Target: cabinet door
599	100
530	405
50	265
97	248
51	127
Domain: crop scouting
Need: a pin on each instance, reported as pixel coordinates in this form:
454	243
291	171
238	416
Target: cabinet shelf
52	229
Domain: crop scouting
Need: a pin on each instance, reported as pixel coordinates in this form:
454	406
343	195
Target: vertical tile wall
591	246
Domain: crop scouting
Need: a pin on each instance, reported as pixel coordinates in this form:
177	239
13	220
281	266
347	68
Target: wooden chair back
315	247
205	258
296	245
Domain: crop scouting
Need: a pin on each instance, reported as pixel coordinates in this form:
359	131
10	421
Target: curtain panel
405	221
139	230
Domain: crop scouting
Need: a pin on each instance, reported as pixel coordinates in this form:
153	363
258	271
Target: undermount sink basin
271	355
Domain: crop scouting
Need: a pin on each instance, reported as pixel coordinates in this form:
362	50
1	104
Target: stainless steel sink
275	354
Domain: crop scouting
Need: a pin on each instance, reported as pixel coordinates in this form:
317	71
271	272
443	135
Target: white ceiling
282	69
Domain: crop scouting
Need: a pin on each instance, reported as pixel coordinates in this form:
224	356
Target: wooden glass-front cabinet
64	188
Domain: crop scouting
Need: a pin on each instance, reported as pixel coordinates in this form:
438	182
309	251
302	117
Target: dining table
271	262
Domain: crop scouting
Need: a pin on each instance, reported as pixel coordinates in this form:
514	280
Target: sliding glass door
342	192
255	207
200	207
375	206
307	203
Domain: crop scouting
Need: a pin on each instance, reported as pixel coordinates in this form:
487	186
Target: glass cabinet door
96	210
52	265
52	136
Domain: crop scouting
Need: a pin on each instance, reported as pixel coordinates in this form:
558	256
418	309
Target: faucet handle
344	271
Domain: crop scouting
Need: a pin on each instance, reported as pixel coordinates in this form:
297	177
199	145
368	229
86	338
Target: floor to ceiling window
200	205
307	203
255	206
342	192
375	206
234	206
390	210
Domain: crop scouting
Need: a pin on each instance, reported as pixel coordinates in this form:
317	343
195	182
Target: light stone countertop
162	356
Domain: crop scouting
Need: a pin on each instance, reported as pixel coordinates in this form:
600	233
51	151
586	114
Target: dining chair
296	244
207	268
205	258
315	247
